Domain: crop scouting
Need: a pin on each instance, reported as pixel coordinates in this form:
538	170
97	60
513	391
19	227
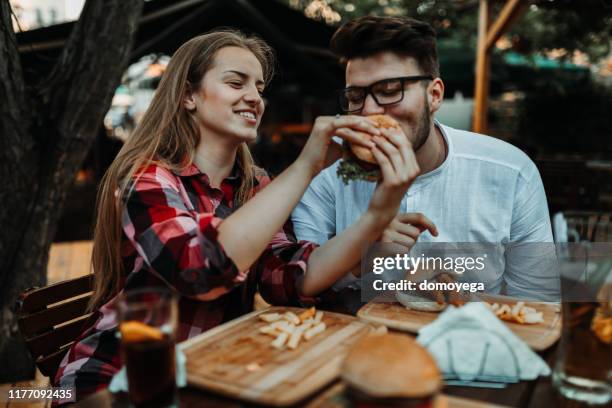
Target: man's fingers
401	239
408	230
403	145
385	165
397	137
418	220
391	151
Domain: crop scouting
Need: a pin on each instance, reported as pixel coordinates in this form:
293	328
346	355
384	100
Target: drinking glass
583	368
147	323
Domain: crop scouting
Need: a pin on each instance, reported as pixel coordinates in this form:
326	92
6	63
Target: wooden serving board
234	359
396	316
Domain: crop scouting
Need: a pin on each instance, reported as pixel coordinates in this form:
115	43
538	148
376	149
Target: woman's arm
337	256
334	259
245	234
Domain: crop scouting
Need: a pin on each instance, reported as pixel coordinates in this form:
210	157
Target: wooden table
530	394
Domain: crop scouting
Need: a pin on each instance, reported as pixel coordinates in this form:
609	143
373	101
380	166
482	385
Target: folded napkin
119	382
470	343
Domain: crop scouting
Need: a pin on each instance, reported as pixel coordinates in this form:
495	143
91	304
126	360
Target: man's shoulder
473	146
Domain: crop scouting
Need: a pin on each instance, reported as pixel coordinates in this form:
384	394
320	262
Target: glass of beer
583	369
147	324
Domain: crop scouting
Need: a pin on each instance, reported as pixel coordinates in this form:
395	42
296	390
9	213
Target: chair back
580	226
51	318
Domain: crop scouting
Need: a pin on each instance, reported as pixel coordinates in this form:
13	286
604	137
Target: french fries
270	317
308	314
291	318
289	329
296	336
280	340
519	313
310	333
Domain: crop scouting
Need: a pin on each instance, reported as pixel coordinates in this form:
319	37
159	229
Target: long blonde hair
168	136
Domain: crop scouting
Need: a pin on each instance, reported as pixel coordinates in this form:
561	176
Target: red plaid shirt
170	239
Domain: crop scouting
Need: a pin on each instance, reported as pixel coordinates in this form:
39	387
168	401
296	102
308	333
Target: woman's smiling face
228	102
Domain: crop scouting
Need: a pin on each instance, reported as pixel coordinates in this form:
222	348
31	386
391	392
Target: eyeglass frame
368	90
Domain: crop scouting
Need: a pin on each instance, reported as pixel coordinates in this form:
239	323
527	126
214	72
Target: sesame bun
391	366
382	122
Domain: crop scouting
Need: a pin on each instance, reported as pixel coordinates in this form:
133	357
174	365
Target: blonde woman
183	206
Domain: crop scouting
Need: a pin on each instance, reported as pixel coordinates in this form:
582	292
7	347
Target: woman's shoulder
155	172
151	177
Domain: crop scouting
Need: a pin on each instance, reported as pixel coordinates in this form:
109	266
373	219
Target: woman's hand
399	168
320	151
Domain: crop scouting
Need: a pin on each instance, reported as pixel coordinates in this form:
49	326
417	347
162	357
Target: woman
183	205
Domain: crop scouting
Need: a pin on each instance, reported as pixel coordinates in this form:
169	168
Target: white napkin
119	382
470	343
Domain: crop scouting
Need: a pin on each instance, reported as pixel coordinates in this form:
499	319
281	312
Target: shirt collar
424	179
193	170
189	170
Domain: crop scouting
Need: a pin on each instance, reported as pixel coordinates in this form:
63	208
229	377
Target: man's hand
405	229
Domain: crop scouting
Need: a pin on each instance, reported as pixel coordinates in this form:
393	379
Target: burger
390	370
358	162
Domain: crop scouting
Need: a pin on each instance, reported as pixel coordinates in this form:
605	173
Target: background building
33	14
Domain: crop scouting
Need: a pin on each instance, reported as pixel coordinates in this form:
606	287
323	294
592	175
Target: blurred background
549	85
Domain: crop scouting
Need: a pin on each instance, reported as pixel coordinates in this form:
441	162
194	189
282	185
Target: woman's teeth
247	115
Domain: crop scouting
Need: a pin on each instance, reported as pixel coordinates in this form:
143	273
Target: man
472	188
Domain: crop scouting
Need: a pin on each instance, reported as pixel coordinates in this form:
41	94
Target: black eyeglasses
385	92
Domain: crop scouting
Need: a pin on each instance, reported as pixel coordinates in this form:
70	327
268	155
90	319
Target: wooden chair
51	318
592	226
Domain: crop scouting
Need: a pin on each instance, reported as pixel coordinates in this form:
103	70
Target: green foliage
584	25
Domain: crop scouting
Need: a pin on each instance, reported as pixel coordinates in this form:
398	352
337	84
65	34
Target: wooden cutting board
234	359
396	316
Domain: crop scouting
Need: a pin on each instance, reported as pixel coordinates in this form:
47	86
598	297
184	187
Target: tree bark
46	130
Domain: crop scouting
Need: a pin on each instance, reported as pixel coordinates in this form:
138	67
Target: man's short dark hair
369	35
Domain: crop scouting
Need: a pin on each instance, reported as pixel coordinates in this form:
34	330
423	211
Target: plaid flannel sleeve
281	267
177	244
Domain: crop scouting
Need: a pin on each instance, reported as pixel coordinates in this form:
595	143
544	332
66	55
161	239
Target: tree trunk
46	131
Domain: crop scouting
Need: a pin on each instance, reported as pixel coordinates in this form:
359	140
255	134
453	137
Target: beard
422	128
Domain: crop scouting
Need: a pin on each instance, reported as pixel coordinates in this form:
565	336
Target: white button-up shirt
485	191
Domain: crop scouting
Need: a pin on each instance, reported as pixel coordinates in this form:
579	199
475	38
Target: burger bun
381	122
391	366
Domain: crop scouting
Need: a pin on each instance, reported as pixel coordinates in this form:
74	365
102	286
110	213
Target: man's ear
189	100
435	94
